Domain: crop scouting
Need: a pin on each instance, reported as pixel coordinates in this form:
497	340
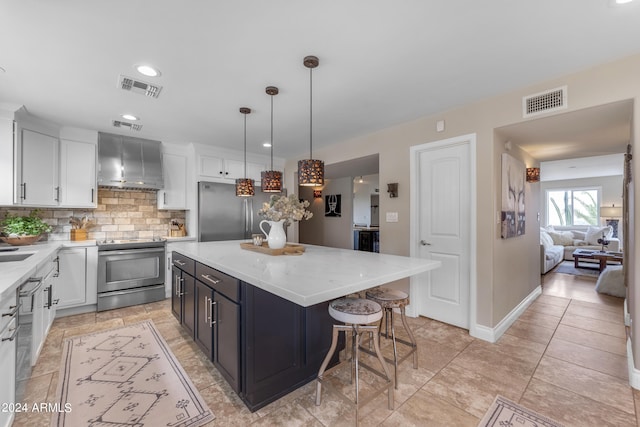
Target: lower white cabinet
76	284
8	343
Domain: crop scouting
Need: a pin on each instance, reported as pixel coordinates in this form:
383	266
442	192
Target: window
573	206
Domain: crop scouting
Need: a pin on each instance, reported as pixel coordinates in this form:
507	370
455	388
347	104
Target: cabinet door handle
13	335
57	261
92	190
213	280
57	199
206	303
23	194
164	196
211	321
12	313
177	281
181	287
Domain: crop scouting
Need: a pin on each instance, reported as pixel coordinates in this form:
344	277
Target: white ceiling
381	62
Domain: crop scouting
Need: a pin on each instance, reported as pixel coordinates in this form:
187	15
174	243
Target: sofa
559	243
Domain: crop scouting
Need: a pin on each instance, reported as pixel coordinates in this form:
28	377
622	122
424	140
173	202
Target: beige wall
498	260
335	232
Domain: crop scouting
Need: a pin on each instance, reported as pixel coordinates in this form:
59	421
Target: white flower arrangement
287	208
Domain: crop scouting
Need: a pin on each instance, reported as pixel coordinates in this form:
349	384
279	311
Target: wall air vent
138	86
544	102
131	126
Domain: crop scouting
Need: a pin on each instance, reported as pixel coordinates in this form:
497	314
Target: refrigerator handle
251	213
246	218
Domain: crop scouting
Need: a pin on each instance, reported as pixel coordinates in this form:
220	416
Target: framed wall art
513	211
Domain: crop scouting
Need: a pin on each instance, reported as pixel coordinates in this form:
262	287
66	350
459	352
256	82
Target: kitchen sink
14	257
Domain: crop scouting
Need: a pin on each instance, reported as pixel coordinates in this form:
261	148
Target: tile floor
565	358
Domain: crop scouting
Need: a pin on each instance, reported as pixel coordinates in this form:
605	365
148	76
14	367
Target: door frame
415	151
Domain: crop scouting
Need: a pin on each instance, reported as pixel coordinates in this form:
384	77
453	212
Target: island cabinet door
204	318
189	303
226	347
272	345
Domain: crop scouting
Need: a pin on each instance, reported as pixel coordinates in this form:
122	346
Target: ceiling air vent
138	86
544	102
131	126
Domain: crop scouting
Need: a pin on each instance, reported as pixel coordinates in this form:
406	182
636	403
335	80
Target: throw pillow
564	238
579	234
545	240
595	233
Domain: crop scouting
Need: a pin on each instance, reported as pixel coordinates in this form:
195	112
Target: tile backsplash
121	214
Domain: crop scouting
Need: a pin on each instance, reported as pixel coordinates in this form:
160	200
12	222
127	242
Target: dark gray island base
265	346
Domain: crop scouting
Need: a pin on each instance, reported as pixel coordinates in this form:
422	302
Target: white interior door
441	226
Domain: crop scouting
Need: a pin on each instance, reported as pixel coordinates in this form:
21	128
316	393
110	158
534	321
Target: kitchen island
263	320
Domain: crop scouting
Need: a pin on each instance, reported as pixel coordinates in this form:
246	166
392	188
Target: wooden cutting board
289	249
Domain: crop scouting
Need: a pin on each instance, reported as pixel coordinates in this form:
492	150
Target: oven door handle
130	251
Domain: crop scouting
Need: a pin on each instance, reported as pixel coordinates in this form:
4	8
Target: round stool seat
388	298
356	311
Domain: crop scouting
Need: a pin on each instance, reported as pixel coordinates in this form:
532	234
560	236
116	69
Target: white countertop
320	274
13	274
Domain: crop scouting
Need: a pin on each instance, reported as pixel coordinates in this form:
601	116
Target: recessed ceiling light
129	117
148	70
2	70
623	1
266	144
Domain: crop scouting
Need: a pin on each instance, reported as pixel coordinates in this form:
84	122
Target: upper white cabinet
38	178
78	174
174	194
228	169
6	161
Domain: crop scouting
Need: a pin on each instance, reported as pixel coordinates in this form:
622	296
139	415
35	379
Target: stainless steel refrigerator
224	216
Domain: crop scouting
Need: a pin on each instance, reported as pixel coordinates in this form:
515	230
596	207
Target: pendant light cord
310	113
245	146
271	132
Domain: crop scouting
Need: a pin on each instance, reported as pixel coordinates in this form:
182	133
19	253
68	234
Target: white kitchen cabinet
76	284
6	161
228	169
174	194
8	343
38	177
78	174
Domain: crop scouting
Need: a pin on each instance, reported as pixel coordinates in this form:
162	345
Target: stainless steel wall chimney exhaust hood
128	162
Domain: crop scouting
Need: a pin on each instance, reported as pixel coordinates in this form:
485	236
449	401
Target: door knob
424	243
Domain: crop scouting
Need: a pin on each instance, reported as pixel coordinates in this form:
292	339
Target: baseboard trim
634	374
492	335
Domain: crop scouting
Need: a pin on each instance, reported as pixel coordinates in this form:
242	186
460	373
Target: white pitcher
276	239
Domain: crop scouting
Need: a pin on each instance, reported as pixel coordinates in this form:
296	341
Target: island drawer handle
180	263
215	281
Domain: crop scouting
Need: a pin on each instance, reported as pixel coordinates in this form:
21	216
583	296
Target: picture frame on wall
333	205
512	217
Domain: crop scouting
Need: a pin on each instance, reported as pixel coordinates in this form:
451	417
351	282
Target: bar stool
356	313
390	299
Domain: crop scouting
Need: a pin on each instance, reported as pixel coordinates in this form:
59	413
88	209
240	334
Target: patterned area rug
504	412
567	267
125	377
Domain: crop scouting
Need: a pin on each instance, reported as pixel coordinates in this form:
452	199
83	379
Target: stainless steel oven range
130	272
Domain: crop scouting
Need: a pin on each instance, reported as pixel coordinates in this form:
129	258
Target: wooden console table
602	257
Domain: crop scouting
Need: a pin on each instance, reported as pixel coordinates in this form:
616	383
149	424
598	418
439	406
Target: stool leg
395	350
356	357
411	337
325	363
376	345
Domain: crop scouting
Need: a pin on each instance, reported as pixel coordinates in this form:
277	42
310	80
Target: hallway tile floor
565	357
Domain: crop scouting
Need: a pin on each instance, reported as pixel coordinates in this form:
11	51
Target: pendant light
311	171
272	179
244	186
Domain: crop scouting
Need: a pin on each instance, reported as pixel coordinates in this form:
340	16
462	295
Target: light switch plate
392	216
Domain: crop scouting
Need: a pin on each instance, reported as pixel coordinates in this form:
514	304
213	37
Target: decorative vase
276	239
